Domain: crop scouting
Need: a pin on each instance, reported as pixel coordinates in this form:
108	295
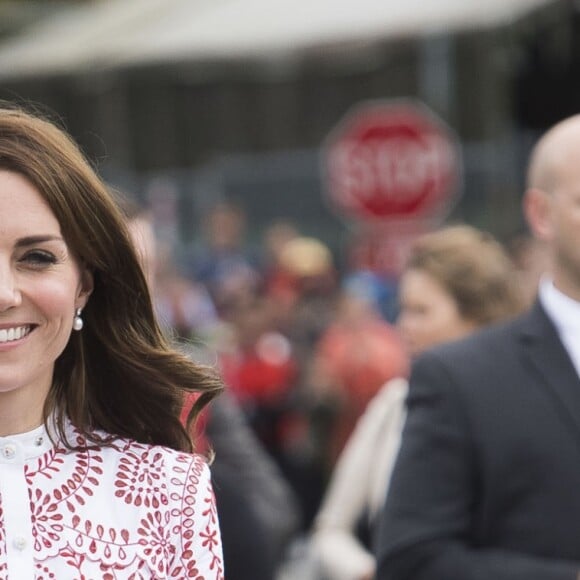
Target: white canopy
112	33
263	28
78	37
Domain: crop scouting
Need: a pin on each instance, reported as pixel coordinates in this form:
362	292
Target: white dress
129	511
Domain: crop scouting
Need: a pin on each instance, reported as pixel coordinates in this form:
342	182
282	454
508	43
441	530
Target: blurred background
198	100
287	153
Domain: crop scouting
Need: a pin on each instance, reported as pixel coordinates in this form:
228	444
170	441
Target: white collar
22	446
563	310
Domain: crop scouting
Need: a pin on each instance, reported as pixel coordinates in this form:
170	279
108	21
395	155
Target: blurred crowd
303	346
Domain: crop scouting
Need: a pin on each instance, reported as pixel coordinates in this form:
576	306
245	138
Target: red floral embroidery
3	562
127	511
139	479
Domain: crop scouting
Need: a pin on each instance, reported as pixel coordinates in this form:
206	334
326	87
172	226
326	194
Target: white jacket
358	486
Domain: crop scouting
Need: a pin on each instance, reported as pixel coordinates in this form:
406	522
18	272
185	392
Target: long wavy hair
119	374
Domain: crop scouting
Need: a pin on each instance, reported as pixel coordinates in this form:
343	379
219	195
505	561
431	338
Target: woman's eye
39	258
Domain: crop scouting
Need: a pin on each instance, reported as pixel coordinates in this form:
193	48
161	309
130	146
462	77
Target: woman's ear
86	285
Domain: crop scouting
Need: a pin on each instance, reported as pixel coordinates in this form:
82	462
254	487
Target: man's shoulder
492	343
472	368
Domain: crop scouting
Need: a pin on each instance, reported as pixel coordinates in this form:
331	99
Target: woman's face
41	285
428	313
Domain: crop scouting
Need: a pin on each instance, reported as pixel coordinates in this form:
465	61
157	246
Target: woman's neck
16	417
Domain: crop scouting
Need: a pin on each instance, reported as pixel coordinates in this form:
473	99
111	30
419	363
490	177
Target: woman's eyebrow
31	240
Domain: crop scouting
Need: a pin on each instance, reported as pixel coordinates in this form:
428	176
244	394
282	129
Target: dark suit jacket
487	482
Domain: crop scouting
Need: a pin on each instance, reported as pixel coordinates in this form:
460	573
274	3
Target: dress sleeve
195	533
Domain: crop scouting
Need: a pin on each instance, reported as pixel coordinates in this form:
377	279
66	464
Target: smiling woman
41	288
90	392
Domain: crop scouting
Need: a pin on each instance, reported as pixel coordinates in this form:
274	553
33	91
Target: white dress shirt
128	510
565	314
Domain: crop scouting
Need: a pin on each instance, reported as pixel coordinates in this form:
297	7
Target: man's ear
86	286
537	206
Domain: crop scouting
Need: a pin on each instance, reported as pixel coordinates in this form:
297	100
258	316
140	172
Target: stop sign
391	161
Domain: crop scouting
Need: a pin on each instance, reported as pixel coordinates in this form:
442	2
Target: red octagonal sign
391	161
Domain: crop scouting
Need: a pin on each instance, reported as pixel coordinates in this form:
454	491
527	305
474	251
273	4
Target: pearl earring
78	321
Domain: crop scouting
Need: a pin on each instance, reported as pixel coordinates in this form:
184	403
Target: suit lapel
548	357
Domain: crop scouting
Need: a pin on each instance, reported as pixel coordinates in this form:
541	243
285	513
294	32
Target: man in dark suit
487	482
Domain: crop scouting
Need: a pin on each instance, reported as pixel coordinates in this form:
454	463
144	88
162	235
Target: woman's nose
10	295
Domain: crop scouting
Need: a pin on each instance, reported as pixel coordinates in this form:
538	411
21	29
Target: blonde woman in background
456	280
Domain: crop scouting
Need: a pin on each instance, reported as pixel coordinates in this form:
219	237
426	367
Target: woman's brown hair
118	374
473	268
